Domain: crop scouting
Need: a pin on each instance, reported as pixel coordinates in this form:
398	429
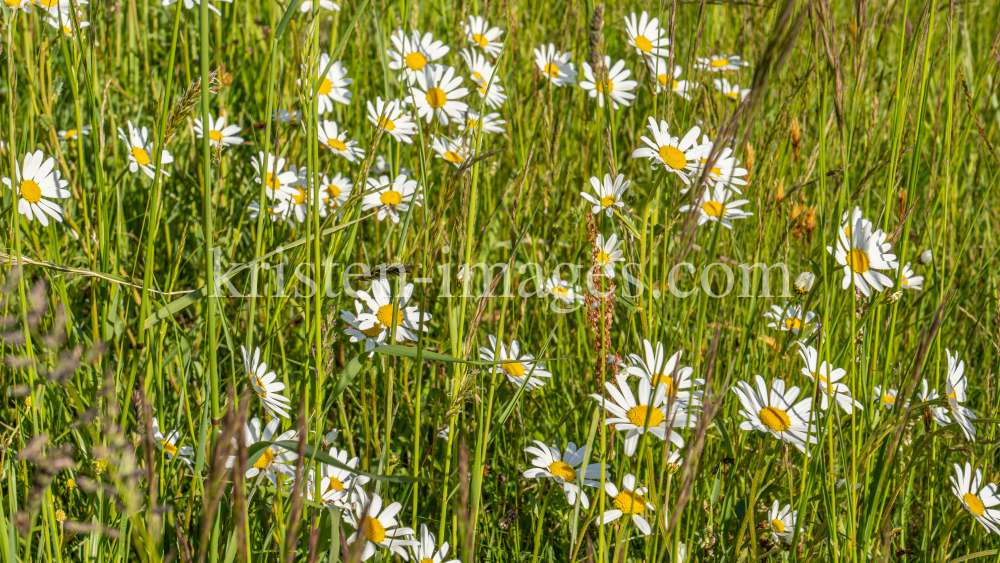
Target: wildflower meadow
388	280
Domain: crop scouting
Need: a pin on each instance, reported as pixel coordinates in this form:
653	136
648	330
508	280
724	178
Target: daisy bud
895	296
804	283
926	257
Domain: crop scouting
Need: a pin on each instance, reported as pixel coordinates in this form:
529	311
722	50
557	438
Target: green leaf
292	7
726	438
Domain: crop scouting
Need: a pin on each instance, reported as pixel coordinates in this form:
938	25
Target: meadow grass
135	427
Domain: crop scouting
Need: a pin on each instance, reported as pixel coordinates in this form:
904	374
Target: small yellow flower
29	402
60	515
71	483
100	466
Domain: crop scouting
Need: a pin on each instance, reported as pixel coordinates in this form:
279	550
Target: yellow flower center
391	197
801	290
603	258
630	503
560	292
858	261
72	132
30	190
888	399
793	323
672	157
564	470
264	460
373	331
666	380
637	416
47	3
608	201
333	190
386	123
477	76
337	145
325	87
605	86
415	61
551	70
478	38
373	530
141	156
733	95
273	182
975	505
335	485
719	63
515	369
384	315
258	386
452	156
13	3
474	124
299	197
215	135
426	560
643	44
778	526
167	447
436	97
67	31
713	209
775	419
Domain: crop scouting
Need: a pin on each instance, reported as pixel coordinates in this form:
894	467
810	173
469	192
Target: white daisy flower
827	377
719	63
287	117
391	197
392	118
635	418
666	79
454	151
607	253
411	53
629	501
489	123
328	5
907	280
426	550
781	522
337	484
977	498
377	527
335	193
372	336
437	92
408	320
140	146
483	74
659	370
73	134
333	87
265	384
478	31
190	4
615	85
938	414
52	7
20	5
804	283
714	206
646	36
219	134
788	317
725	168
277	185
731	91
562	290
956	383
520	369
887	396
168	444
676	155
63	20
274	460
566	468
775	413
334	140
609	194
862	255
280	211
36	180
554	65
